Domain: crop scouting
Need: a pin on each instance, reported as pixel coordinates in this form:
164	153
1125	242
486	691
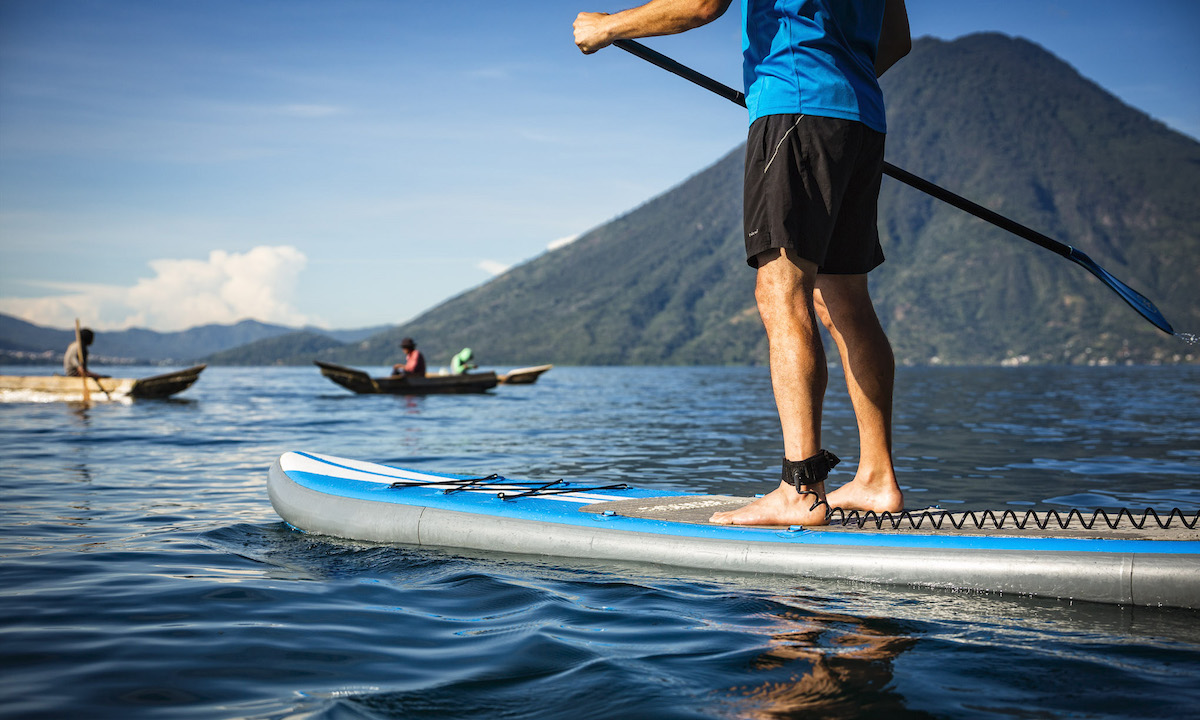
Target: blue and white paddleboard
1083	558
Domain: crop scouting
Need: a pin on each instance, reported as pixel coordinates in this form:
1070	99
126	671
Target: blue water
143	572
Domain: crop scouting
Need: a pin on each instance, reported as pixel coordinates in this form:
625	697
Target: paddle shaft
1135	300
87	395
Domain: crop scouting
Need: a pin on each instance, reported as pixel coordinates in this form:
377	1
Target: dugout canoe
1073	556
69	388
523	376
362	383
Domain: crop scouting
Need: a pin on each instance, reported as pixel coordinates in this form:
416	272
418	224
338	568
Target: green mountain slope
296	348
993	118
1006	124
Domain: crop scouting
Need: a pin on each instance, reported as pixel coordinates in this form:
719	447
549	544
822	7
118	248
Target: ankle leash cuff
810	470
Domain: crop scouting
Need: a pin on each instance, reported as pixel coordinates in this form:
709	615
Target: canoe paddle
1138	302
87	395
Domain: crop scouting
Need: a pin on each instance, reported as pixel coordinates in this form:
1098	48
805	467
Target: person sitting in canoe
462	362
414	361
75	359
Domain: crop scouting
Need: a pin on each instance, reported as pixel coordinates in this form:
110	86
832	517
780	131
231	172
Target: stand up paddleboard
1122	559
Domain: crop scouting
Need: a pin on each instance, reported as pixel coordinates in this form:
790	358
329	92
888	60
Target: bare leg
784	292
845	307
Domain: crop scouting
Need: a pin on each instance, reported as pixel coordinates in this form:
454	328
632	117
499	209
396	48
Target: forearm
895	39
665	17
594	31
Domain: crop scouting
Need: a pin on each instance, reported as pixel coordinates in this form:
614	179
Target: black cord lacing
503	485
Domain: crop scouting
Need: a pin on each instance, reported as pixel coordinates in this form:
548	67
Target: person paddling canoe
75	359
414	361
463	362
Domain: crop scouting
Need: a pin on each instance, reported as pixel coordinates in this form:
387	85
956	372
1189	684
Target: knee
822	311
782	304
847	307
847	316
784	289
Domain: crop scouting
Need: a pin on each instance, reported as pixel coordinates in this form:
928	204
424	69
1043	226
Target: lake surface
144	574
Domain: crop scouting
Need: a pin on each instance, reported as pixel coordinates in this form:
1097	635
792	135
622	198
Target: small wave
38	396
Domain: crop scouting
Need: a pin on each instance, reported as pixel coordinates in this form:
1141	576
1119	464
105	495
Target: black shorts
812	186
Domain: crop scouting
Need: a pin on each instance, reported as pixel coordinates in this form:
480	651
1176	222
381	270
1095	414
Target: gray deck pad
696	509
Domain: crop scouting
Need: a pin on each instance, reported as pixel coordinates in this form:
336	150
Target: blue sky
352	163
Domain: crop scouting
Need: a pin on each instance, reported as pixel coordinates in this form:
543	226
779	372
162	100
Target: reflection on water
844	666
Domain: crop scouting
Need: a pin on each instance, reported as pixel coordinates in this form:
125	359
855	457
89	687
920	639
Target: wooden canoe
157	386
523	376
360	382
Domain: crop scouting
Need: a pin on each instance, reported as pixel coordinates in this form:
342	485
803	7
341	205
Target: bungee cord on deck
503	486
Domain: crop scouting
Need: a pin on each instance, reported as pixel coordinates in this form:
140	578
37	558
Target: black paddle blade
1135	299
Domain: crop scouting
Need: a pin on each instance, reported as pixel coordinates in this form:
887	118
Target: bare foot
781	506
867	495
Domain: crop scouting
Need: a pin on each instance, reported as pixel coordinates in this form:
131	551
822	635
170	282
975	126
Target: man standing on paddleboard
814	160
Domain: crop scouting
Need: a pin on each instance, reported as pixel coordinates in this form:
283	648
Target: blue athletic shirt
813	57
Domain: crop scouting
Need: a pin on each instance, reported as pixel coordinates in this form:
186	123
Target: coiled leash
987	519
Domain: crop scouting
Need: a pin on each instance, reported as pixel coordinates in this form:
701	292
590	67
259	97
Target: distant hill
994	118
295	348
23	342
350	336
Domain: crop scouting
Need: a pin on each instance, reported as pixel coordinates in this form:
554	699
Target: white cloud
225	288
492	267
